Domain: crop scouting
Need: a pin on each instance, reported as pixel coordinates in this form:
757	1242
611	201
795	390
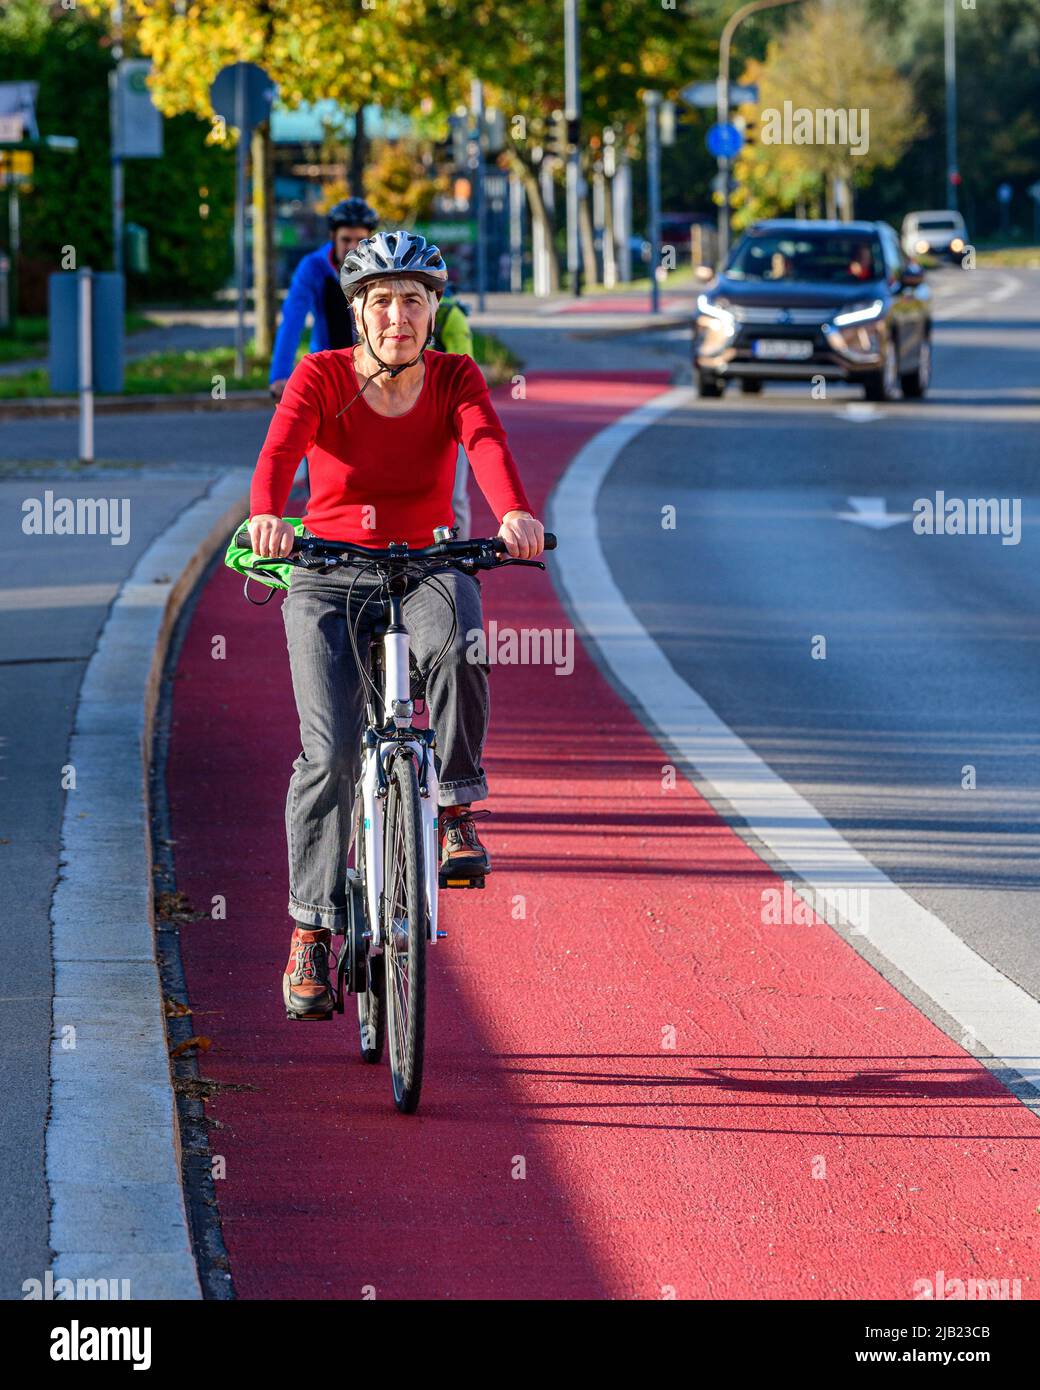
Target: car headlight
722	317
859	313
956	244
921	247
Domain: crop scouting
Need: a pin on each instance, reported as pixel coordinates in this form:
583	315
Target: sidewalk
55	596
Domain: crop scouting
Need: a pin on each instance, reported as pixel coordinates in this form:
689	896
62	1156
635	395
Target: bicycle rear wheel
404	933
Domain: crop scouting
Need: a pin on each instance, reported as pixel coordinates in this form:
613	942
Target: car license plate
783	349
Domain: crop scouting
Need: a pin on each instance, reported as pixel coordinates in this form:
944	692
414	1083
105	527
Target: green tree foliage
68	53
998	80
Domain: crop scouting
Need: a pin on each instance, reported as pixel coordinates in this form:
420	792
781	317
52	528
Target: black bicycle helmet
353	212
393	255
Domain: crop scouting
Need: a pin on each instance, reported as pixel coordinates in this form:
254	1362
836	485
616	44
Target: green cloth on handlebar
242	560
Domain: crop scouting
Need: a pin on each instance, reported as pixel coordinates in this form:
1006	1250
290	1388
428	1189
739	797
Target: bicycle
394	883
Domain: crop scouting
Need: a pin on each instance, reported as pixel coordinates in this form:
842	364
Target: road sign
16	168
139	123
18	112
258	95
724	141
706	94
1004	193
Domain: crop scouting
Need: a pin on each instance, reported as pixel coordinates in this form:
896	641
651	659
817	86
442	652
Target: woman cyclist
381	424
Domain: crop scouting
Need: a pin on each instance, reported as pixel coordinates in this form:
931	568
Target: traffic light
556	142
748	123
458	124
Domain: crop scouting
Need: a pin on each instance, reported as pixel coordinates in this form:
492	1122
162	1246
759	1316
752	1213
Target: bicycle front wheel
404	933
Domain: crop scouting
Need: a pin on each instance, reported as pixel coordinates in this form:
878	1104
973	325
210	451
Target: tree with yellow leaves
829	59
313	50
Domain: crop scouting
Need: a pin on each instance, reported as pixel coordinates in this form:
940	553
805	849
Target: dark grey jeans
331	705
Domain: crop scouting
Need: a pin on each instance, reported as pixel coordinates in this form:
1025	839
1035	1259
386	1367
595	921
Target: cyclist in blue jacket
315	290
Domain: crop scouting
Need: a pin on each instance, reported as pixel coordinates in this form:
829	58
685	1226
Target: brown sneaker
305	981
461	850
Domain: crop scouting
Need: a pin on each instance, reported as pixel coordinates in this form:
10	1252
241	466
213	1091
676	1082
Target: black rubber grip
242	539
550	541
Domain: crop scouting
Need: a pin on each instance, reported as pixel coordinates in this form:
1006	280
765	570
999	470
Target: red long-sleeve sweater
376	479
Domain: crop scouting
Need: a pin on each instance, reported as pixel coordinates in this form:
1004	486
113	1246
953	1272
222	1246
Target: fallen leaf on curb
203	1044
176	907
175	1009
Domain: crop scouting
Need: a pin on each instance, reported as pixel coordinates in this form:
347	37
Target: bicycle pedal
475	882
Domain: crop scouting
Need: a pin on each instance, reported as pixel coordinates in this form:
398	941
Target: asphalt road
931	656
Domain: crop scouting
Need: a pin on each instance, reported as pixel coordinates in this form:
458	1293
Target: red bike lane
634	1088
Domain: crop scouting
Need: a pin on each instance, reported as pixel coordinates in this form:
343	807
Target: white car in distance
941	234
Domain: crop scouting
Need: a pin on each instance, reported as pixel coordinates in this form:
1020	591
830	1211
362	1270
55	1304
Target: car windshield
836	257
938	224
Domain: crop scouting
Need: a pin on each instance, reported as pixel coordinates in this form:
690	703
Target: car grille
744	313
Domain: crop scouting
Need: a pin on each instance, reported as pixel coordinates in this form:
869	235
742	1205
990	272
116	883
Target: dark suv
798	300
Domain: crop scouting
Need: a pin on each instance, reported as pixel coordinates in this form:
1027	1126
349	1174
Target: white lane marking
958	307
113	1150
992	1010
860	414
872	511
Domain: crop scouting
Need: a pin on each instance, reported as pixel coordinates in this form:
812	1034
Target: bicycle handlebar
443	550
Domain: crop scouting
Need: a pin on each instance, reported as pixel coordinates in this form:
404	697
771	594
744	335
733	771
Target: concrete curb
67	407
113	1150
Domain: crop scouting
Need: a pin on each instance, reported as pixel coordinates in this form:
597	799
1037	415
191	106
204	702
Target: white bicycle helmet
393	255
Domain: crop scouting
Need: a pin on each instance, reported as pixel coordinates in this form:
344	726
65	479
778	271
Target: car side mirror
912	275
704	273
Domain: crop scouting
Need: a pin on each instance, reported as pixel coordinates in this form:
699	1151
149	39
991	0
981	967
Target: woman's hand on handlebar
523	534
272	537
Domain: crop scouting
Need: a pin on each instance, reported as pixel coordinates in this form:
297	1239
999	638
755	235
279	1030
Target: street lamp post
653	190
950	55
722	98
116	138
572	113
476	164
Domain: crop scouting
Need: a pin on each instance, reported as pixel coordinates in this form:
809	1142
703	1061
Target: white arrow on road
871	511
860	414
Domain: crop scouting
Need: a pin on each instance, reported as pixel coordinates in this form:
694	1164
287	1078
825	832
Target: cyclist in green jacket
452	333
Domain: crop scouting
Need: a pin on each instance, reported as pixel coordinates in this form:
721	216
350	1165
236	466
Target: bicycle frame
379	746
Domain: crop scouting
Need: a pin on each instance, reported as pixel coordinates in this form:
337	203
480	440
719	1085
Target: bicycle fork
376	754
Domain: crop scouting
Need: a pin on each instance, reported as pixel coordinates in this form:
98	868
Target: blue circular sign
724	140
